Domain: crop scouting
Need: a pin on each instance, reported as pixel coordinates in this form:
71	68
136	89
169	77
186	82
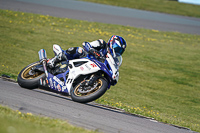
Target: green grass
18	122
159	76
164	6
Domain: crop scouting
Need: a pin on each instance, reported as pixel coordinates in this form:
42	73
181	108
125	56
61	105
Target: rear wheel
89	93
28	78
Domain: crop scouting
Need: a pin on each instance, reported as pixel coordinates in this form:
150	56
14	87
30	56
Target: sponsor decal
82	68
58	87
74	73
87	67
51	83
56	49
93	65
54	85
64	88
58	80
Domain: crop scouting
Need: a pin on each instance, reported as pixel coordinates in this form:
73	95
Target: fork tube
45	67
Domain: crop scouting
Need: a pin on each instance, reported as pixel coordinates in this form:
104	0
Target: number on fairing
69	81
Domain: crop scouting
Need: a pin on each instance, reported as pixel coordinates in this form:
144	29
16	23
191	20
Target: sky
197	2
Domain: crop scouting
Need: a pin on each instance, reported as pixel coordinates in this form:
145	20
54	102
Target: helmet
117	43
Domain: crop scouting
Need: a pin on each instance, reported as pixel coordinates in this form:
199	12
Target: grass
159	76
164	6
18	122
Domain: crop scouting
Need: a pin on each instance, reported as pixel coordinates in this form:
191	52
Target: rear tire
29	79
90	96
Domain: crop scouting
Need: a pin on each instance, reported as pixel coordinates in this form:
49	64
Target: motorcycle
85	79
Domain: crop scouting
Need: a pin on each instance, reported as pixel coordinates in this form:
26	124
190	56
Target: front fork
43	59
89	82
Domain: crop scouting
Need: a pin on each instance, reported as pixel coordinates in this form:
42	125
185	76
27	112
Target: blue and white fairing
85	66
56	84
73	72
110	67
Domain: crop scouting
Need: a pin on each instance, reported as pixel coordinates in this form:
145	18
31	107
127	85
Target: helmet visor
117	48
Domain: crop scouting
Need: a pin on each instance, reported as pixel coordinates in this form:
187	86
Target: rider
98	48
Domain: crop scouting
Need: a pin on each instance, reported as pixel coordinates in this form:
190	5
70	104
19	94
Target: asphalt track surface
106	14
91	115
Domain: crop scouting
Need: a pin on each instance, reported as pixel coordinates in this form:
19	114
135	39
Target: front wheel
90	93
28	78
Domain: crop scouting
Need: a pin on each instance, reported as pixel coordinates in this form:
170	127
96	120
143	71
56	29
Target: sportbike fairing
73	71
64	82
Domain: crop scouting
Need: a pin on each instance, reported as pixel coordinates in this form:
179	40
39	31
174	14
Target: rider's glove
96	54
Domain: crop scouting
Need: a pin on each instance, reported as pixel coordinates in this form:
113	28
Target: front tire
28	78
101	88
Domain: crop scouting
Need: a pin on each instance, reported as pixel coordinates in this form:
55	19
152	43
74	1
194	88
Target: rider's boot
59	56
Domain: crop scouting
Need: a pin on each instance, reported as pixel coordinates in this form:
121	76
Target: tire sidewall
29	83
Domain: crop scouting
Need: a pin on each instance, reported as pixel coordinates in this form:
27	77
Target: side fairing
79	67
76	68
56	84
